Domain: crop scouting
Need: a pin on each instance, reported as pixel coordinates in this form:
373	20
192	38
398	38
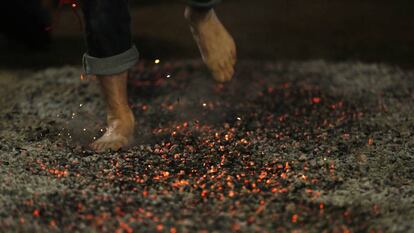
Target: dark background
363	30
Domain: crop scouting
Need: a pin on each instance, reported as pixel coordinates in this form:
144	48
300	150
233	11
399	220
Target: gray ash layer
311	146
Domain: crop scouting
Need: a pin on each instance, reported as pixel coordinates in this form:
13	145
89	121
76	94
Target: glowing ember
316	100
294	218
264	163
36	213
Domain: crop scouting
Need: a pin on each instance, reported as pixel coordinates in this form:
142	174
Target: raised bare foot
216	45
120	119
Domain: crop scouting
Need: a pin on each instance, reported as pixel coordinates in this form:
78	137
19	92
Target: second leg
216	45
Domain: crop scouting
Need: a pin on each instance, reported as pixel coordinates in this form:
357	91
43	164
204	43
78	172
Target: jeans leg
202	3
108	37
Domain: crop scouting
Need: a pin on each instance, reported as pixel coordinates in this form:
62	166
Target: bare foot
216	45
119	133
120	118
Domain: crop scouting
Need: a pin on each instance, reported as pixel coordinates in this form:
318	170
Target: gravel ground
285	147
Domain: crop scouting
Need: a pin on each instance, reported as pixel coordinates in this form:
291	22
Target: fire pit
285	147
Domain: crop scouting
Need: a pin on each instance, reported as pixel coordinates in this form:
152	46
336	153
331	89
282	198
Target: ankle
196	16
119	112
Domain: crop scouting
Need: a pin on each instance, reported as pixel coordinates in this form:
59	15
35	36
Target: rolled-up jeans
108	35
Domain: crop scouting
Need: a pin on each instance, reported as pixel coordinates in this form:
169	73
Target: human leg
207	4
109	56
216	45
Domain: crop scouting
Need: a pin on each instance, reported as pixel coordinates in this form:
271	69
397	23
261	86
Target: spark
80	105
239	119
157	61
84	129
168	76
204	104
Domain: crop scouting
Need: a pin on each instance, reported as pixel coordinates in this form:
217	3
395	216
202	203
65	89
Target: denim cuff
203	4
110	65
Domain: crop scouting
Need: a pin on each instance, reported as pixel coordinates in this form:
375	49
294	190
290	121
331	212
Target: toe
219	76
116	146
222	77
229	74
98	147
233	59
103	146
93	146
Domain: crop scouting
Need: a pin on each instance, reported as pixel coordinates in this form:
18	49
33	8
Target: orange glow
160	227
321	206
36	213
204	193
125	227
294	218
316	100
52	224
287	166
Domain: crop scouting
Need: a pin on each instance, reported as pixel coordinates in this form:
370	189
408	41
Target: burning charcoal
287	164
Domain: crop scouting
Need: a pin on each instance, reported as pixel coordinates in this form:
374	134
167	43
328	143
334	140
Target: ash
285	147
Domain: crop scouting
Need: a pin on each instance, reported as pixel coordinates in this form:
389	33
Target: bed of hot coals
285	147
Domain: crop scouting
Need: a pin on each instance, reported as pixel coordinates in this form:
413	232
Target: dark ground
286	147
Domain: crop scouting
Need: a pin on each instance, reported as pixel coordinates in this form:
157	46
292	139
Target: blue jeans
108	35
